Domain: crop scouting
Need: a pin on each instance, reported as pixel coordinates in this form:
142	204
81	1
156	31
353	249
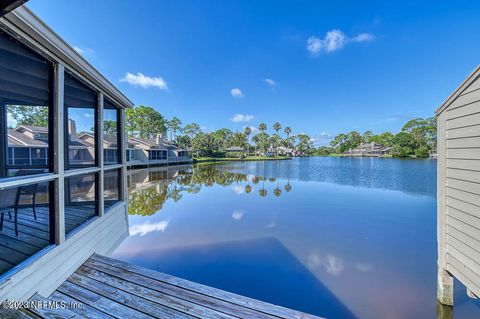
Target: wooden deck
109	288
33	234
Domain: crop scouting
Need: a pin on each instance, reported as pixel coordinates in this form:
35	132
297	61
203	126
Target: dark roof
111	139
136	140
17	138
32	128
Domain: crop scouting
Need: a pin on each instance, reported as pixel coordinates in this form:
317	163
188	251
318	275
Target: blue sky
320	67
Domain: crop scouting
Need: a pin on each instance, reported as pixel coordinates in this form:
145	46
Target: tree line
146	122
416	138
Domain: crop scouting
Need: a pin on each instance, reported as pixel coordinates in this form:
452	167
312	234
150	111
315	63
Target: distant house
28	145
287	151
369	149
154	152
110	146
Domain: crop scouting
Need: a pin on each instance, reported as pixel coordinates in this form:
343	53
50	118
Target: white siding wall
459	183
50	269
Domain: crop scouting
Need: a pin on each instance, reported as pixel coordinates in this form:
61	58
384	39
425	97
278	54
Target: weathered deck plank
110	288
261	307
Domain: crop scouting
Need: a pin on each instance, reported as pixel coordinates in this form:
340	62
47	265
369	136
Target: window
80	200
154	155
25	102
111	136
80	118
130	155
111	187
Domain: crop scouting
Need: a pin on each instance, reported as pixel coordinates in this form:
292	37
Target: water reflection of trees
149	193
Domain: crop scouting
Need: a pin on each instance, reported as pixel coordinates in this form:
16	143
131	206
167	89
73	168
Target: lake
335	237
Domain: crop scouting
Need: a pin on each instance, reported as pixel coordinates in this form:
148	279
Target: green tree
304	143
223	138
262	127
175	125
277	127
204	144
288	131
239	139
144	122
261	140
184	141
109	127
367	137
192	130
29	115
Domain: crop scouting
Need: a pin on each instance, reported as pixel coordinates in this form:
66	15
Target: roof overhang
9	5
26	25
465	84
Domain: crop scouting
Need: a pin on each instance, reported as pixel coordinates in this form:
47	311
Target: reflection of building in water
145	152
150	188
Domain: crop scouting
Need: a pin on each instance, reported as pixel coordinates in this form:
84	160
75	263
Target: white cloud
242	118
322	139
238	214
236	92
363	267
145	81
238	189
363	37
272	224
83	50
334	40
271	83
146	228
332	264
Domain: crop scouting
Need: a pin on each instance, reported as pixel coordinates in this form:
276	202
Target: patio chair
8	202
29	190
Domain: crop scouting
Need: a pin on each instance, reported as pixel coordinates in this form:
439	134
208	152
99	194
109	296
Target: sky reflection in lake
297	233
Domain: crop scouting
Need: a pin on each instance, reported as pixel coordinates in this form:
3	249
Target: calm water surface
336	237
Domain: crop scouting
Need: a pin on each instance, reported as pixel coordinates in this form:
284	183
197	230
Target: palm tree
175	123
247	131
277	127
288	131
262	127
168	125
277	191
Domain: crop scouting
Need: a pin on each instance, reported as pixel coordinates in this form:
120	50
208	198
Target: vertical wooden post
444	279
101	199
123	155
445	287
59	151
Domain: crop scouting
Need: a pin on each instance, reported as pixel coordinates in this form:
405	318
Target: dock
109	288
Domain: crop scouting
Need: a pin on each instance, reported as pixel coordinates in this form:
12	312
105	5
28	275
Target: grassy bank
235	159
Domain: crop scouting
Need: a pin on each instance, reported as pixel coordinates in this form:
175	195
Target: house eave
462	87
25	24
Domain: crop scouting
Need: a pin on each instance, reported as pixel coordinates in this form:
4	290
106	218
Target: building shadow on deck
262	268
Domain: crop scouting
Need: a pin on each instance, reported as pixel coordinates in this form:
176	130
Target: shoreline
234	159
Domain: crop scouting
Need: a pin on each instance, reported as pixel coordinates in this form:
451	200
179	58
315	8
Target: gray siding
460	183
